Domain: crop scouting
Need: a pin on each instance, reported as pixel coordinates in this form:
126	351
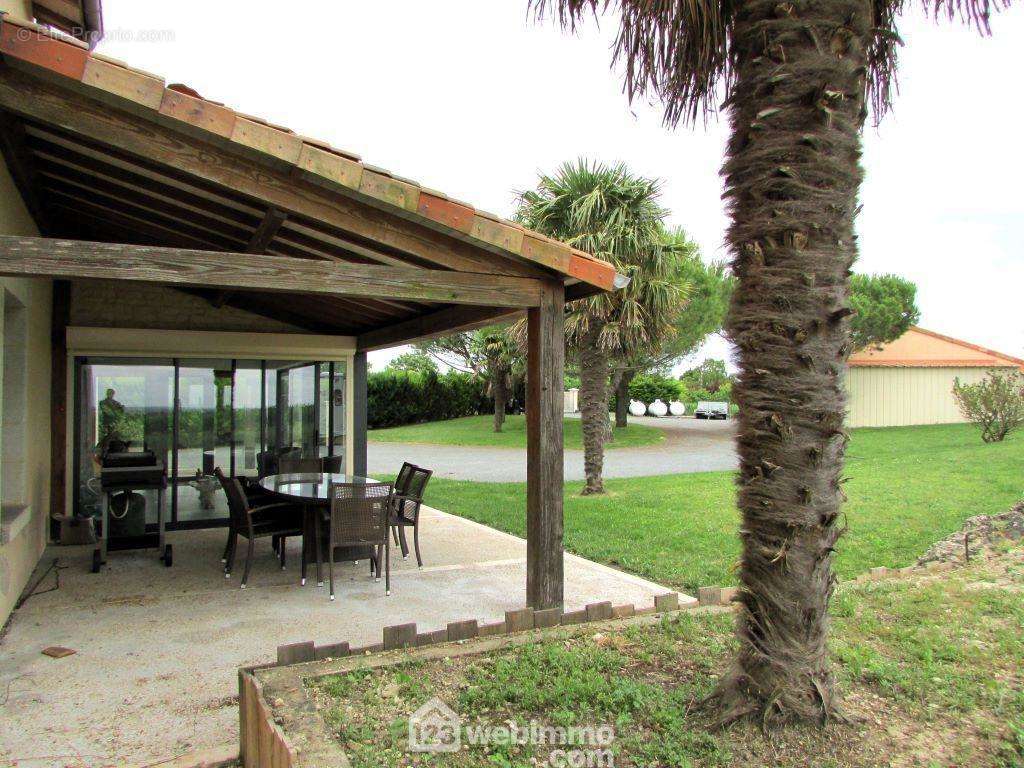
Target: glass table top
310	485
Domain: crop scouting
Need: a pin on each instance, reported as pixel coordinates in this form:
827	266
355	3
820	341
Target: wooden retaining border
264	744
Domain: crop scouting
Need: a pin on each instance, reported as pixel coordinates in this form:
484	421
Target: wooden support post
544	470
59	318
359	414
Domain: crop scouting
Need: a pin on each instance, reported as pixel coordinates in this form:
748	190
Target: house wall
896	397
25	430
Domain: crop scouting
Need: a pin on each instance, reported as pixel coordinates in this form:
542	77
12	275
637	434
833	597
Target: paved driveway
690	446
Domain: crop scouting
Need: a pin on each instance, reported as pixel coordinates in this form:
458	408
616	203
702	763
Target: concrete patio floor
154	675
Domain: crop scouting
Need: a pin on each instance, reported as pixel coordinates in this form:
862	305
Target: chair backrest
404	475
287	465
238	504
332	464
417	483
266	463
359	513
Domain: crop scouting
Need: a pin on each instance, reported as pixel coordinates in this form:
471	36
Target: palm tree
797	79
612	213
505	365
492	353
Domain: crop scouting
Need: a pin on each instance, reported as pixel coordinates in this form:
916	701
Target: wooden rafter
18	158
81	116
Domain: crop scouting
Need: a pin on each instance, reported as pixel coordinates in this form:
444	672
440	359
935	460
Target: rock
982	533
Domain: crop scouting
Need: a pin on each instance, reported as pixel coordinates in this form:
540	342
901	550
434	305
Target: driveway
690	445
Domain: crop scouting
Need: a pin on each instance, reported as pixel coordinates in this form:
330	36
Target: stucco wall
897	397
108	304
31	431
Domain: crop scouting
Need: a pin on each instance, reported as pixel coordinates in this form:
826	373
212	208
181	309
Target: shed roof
921	348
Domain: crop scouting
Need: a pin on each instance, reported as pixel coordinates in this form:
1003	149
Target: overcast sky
474	99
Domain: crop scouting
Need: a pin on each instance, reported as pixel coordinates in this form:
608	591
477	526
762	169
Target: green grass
931	670
908	487
479	430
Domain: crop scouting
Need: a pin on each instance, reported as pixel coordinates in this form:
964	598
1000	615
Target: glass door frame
81	359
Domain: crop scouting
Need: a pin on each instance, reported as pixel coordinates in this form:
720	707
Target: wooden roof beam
41	257
433	325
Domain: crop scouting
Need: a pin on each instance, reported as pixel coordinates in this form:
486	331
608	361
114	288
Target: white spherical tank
676	408
637	408
657	408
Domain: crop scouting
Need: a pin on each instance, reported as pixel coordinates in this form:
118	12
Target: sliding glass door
197	415
205	400
120	405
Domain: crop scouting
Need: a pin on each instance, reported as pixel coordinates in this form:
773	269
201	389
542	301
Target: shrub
996	404
649	387
396	398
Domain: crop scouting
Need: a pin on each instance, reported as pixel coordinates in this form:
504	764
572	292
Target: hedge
397	398
647	388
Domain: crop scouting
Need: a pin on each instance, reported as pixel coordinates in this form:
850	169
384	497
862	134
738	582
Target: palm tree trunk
500	392
792	174
622	398
593	409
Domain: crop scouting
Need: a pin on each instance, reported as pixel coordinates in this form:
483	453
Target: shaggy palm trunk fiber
500	392
792	173
622	399
593	409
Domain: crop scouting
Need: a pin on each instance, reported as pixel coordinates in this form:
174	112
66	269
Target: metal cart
127	472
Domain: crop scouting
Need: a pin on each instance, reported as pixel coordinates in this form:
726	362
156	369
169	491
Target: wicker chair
358	517
289	465
405	506
332	464
256	522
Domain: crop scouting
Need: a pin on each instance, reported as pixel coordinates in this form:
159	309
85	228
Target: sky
476	98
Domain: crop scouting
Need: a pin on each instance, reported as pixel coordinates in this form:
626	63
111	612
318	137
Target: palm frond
681	51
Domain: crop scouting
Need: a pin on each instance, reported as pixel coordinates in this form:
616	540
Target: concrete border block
367	649
493	628
547	617
599	611
332	651
709	595
667	602
574	617
623	611
399	636
463	630
519	620
296	653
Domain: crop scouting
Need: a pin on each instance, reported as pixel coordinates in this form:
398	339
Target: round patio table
310	487
313	489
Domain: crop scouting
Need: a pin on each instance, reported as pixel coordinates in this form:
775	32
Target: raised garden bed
930	665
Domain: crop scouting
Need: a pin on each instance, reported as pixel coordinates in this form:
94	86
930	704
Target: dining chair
332	464
405	506
256	522
288	465
357	517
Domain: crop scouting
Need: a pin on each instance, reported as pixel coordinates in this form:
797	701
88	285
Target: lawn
479	430
931	671
907	488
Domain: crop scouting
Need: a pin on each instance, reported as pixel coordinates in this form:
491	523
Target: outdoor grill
125	474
